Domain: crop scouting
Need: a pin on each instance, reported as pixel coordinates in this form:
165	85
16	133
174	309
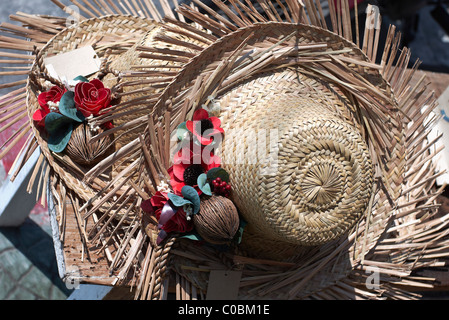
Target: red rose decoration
53	95
203	127
91	97
177	223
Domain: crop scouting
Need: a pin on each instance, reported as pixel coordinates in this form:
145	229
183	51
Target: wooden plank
438	81
71	255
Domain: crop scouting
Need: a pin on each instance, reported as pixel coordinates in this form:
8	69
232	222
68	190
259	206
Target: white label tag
79	62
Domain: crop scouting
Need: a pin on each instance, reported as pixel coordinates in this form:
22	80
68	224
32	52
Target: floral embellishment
170	217
204	128
221	187
48	102
91	97
196	180
175	219
188	166
62	110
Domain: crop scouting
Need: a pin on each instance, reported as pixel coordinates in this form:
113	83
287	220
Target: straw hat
348	188
107	33
342	170
64	177
322	136
115	39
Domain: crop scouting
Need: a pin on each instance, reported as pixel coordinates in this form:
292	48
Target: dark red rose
53	95
92	97
178	223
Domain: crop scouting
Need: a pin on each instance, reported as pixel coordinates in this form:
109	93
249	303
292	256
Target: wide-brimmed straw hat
324	150
114	39
110	36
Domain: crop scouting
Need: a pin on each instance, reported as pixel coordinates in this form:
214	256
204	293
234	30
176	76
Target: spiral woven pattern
82	151
337	117
300	172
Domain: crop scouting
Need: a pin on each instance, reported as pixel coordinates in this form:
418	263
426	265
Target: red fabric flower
178	223
108	125
53	95
188	165
91	97
204	128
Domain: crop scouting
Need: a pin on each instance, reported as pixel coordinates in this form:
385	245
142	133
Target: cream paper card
79	62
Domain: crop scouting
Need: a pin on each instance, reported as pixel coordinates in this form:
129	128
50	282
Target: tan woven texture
315	182
278	93
128	94
333	81
217	221
147	58
377	113
82	151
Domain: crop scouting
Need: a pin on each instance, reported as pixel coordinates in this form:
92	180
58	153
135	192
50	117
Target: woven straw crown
110	33
318	183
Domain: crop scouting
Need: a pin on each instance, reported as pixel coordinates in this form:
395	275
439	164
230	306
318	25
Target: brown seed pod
217	221
82	151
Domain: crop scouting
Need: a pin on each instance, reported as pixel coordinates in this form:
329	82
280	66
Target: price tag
79	62
223	285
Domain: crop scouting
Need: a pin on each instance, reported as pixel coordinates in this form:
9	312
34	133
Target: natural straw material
110	36
399	234
282	62
314	183
373	100
82	151
218	220
148	59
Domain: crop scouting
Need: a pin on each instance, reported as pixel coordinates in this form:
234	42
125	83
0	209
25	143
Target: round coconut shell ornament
85	152
217	221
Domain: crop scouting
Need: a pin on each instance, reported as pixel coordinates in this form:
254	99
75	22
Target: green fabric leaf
177	200
203	185
54	122
81	78
191	194
239	235
67	107
60	130
181	131
192	236
219	172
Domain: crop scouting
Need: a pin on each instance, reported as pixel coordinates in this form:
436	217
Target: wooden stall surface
438	82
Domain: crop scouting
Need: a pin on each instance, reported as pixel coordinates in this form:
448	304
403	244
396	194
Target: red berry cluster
221	187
